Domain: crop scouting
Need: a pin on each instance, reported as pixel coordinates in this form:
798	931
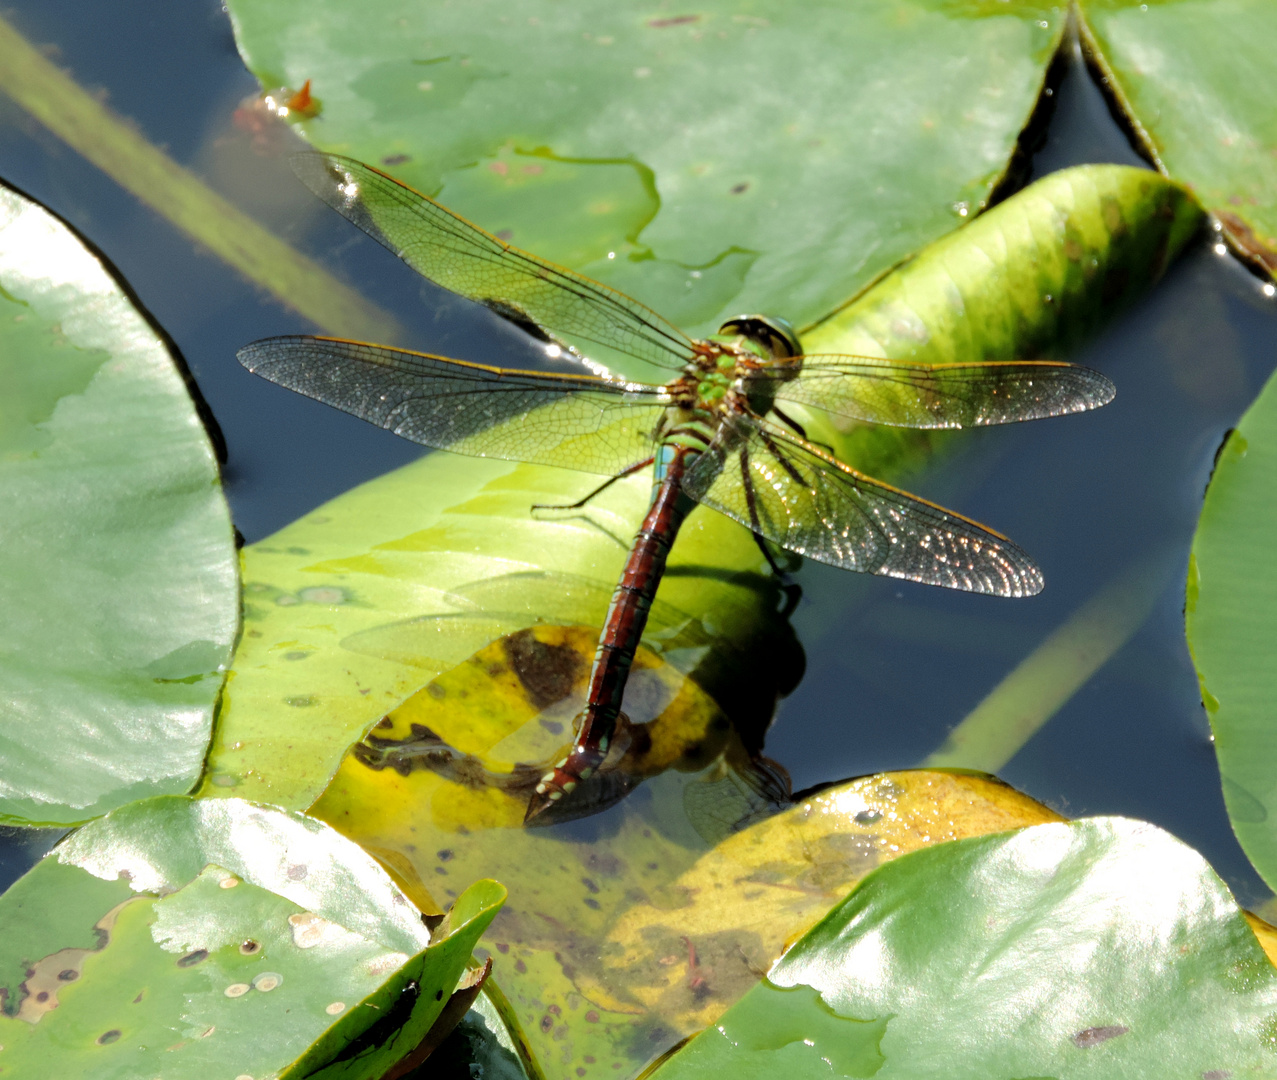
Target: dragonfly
719	433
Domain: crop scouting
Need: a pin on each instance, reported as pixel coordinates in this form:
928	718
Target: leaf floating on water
120	604
628	930
1231	622
755	200
488	726
1041	952
174	936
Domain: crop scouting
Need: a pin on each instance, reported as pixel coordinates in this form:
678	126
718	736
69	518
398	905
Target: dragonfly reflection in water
717	432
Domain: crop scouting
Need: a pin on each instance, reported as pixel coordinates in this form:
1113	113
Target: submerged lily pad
1194	77
631	929
177	936
1103	947
1231	617
490	725
117	561
756	157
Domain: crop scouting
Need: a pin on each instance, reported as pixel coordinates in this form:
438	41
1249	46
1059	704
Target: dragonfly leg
754	524
789	421
795	426
638	466
792	591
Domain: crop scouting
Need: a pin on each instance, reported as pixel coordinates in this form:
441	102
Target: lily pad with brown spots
191	938
1095	948
634	928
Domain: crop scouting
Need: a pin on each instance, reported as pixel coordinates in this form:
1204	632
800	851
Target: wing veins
469	242
944	395
840	516
576	421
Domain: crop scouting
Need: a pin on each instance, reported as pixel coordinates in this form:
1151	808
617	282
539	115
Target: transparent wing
575	421
462	257
945	395
795	494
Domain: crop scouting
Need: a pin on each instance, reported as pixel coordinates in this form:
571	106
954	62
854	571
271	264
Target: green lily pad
636	927
118	568
1231	617
186	938
756	157
1098	948
1193	76
1034	277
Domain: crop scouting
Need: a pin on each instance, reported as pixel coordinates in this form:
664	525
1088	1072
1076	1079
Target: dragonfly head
773	336
775	342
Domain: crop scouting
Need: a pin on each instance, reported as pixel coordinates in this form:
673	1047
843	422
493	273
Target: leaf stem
1040	685
119	150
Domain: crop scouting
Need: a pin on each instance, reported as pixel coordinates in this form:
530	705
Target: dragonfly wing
800	497
575	421
448	250
945	395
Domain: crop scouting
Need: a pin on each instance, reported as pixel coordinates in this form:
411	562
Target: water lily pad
490	726
1034	277
1094	948
1232	626
1192	75
177	936
357	606
117	562
631	929
766	157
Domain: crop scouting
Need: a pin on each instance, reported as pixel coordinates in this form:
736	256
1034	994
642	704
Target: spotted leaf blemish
37	994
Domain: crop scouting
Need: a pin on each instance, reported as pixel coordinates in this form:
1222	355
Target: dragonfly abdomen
623	628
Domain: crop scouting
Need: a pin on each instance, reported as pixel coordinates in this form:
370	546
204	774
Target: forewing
945	395
575	421
462	257
798	496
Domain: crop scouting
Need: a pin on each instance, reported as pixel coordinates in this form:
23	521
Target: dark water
889	674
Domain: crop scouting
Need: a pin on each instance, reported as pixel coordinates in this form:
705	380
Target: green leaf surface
1096	948
117	563
762	156
1032	278
636	927
190	938
1231	617
1195	78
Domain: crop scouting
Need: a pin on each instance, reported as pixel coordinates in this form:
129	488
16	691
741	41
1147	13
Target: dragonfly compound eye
774	334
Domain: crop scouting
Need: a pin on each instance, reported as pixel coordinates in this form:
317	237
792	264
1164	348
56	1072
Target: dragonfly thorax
735	373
